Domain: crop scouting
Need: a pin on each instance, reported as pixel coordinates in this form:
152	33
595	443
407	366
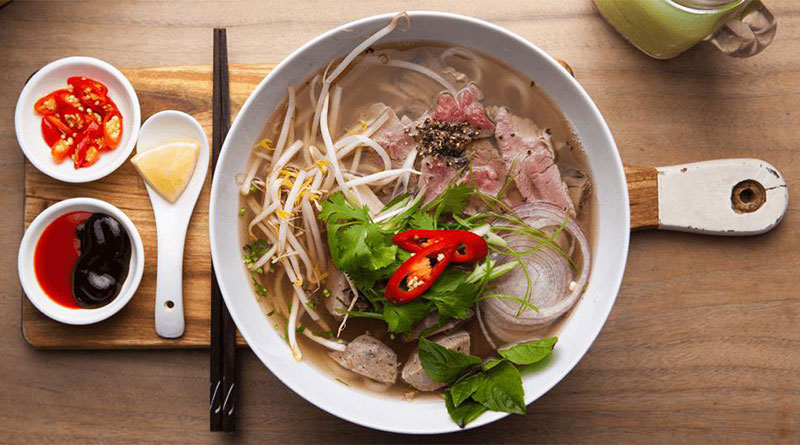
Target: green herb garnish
260	289
442	364
495	386
254	250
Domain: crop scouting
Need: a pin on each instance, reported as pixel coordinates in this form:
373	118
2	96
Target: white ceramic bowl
53	76
610	241
27	276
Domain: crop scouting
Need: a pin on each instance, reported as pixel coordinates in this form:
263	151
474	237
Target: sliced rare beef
529	157
369	357
465	107
488	172
415	375
436	175
394	136
444	136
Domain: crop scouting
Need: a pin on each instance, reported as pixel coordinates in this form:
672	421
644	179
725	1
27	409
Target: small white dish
27	275
53	76
172	219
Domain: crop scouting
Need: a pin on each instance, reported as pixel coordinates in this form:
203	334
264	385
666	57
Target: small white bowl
30	284
53	76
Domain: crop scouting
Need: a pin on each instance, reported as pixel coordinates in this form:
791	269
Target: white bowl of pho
419	222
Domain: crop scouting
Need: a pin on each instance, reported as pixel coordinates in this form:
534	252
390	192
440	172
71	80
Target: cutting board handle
733	197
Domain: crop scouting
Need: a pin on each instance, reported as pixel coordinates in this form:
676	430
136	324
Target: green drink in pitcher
666	28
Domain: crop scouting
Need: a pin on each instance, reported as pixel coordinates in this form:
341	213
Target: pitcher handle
747	34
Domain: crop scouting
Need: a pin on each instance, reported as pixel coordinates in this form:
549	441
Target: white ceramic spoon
172	219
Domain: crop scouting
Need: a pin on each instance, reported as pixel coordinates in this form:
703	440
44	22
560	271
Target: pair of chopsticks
223	331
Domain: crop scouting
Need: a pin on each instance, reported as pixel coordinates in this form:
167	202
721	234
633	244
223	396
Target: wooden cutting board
189	89
186	89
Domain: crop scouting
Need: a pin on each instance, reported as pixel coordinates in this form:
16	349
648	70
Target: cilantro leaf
502	389
529	352
358	246
421	221
442	364
363	246
336	208
452	201
465	412
401	318
453	295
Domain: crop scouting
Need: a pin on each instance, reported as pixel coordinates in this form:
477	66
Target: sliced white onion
554	292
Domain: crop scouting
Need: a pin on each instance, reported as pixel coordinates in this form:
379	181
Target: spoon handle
169	279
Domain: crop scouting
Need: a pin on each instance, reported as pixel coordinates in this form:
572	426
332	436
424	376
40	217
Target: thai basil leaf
502	390
466	386
529	352
442	364
464	413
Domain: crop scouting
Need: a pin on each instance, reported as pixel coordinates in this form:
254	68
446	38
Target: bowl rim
30	284
615	278
91	173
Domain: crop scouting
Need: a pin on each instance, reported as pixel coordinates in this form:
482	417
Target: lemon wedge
167	168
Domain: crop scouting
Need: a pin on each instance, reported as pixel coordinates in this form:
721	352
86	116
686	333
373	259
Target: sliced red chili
418	273
47	104
80	121
112	129
50	132
469	246
67	98
89	138
61	149
80	84
57	123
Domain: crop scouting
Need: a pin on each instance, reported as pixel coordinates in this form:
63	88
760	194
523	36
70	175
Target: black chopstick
223	331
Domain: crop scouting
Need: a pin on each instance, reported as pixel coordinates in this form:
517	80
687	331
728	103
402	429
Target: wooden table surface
703	344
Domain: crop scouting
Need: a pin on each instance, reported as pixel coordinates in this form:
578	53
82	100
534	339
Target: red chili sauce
57	251
82	259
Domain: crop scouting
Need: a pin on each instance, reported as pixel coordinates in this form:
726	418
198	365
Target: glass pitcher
666	28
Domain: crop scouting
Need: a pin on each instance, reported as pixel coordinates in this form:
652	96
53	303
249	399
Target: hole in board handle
169	304
748	196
